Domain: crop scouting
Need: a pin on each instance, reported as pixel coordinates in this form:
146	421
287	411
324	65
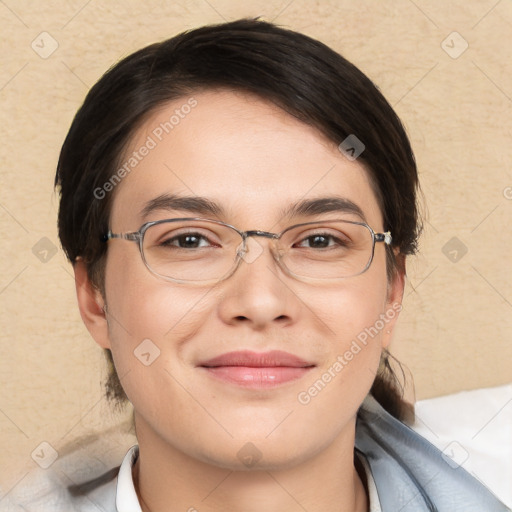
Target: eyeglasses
206	251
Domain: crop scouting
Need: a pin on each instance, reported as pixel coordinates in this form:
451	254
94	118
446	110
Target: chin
251	459
258	453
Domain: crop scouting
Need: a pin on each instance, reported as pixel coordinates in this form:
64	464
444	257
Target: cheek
355	306
355	314
150	322
144	306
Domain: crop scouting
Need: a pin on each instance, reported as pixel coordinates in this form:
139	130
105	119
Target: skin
253	159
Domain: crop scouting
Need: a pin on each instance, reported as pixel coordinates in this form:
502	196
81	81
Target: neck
168	480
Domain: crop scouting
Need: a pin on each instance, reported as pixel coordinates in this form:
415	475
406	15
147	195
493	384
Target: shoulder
410	473
52	490
83	478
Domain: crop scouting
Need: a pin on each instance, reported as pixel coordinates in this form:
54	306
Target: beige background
454	331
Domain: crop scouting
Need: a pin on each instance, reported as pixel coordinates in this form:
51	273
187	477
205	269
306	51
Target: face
253	160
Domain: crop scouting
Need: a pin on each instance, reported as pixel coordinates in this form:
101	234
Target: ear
91	304
394	300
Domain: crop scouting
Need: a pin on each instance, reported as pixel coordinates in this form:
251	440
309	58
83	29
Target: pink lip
257	370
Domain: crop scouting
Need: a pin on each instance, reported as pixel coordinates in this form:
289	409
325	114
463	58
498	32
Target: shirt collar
373	495
126	497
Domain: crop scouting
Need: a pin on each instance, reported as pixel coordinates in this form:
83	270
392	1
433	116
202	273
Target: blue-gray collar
411	474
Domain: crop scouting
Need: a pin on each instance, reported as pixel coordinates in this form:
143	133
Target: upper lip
248	358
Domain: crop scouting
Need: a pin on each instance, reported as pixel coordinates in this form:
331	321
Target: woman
238	203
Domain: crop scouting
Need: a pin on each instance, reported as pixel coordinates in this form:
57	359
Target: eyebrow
310	207
203	206
193	204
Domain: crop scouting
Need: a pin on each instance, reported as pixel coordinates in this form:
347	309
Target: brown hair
301	75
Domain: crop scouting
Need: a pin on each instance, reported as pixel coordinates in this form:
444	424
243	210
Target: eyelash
309	237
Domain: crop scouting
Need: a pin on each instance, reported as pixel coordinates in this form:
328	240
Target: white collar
373	496
127	501
126	497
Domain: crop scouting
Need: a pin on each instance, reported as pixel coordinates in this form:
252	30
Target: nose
259	293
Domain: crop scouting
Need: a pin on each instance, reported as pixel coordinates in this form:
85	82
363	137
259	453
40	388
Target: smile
257	370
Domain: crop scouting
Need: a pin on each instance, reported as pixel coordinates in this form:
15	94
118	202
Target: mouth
257	370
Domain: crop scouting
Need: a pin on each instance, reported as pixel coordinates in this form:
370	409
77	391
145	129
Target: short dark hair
299	74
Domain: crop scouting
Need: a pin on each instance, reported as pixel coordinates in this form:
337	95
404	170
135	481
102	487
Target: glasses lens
327	250
190	250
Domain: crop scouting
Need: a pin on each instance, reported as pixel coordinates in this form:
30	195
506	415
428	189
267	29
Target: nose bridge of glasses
250	249
257	232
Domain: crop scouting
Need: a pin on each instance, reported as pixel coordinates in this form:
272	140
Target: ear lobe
91	305
394	301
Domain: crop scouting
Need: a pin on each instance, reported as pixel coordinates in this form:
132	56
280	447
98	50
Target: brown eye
323	241
186	241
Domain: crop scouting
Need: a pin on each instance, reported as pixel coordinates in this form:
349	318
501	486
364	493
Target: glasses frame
138	237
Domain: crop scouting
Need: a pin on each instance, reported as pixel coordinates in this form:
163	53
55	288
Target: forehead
240	152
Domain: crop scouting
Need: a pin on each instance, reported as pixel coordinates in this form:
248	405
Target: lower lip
257	378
